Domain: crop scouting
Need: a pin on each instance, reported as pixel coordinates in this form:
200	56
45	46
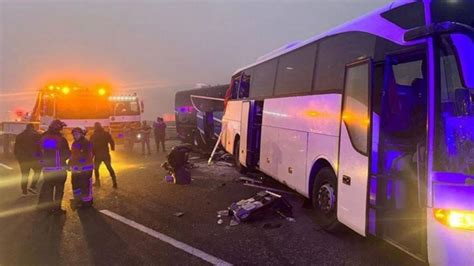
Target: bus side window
245	85
263	79
295	71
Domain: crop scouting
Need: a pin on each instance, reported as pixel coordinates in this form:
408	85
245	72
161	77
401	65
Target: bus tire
240	168
324	199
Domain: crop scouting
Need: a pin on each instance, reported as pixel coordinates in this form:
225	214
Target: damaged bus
374	122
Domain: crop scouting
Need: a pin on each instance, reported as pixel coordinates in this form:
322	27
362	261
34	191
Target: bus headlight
455	218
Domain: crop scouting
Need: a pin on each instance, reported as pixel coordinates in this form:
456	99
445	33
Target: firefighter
81	166
54	152
27	153
145	132
159	128
101	140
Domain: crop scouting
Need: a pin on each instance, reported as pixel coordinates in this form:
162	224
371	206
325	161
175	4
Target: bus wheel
238	165
324	199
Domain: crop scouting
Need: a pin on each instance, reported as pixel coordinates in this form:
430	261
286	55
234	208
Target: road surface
140	224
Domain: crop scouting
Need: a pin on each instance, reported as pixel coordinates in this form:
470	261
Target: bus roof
372	23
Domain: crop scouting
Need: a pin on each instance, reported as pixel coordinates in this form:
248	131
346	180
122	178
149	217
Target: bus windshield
455	110
82	107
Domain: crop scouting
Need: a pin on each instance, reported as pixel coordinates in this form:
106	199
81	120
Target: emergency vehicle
81	107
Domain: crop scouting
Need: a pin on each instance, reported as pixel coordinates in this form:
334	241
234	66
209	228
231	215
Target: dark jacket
100	140
159	129
81	155
54	150
27	145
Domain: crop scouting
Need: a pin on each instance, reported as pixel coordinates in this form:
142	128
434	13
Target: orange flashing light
66	90
101	91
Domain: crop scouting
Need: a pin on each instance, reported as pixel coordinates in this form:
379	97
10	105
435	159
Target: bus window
295	71
406	73
263	79
356	110
335	53
244	86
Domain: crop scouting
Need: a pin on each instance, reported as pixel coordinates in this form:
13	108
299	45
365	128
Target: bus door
397	197
250	130
354	146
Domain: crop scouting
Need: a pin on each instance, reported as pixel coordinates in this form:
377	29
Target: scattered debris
178	214
251	180
256	206
169	178
270	188
176	164
224	164
271	225
224	213
233	222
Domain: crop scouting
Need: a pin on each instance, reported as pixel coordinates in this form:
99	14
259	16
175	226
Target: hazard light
102	91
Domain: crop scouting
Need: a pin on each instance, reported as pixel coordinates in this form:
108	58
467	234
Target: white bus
374	122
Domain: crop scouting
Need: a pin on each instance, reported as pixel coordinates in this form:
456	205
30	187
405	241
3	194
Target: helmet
81	130
57	125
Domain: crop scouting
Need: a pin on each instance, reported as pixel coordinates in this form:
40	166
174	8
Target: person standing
101	140
81	166
54	152
129	138
160	133
145	134
27	153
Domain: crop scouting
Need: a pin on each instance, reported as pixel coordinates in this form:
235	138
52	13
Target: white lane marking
175	243
6	166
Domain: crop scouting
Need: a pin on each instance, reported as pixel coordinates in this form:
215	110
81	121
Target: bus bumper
448	246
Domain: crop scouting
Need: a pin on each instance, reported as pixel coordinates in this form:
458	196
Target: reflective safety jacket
54	151
81	155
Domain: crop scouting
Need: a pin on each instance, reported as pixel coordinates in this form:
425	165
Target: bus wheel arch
323	195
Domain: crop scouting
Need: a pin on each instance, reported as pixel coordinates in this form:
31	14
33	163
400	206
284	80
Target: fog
153	48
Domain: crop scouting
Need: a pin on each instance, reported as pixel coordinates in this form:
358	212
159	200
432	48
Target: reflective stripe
89	196
52	169
83	168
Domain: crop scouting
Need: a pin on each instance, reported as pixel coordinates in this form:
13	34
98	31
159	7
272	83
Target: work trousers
158	140
82	186
98	160
146	142
52	191
25	167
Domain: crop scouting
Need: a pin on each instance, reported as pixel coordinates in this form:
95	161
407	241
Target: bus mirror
142	106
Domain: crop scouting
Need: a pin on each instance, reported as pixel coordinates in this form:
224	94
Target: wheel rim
326	198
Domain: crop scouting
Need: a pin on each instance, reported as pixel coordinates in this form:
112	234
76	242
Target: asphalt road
89	237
